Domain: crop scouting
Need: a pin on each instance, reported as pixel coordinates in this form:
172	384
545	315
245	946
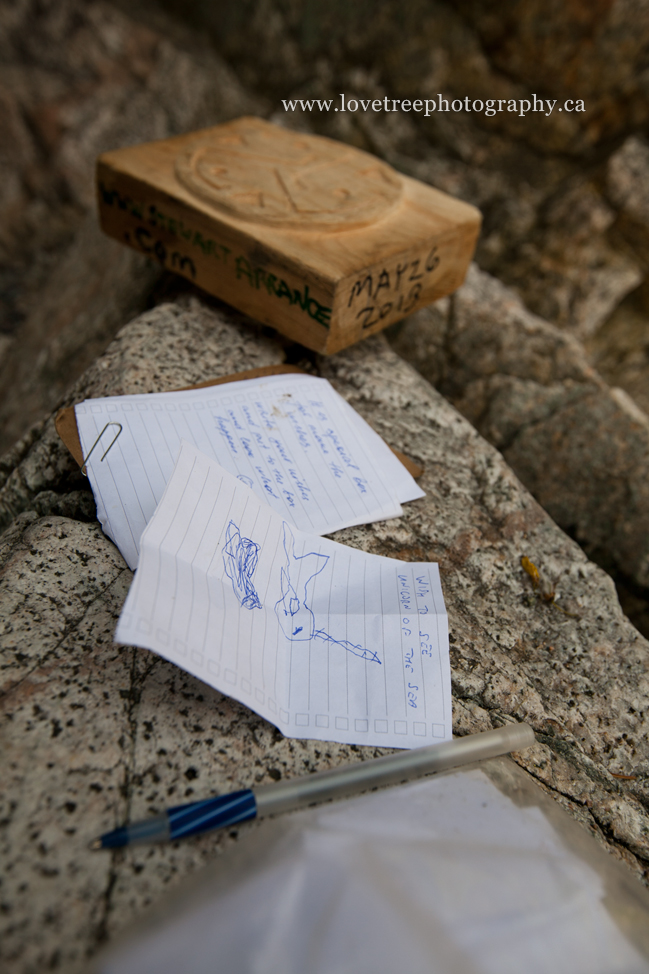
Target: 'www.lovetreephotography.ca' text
489	106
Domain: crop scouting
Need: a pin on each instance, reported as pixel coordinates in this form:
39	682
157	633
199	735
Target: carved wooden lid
262	173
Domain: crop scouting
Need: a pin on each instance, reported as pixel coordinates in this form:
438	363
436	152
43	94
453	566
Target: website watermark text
432	106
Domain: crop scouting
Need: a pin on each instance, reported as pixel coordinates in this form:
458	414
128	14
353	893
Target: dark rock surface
95	734
550	227
580	446
619	349
626	183
593	51
596	52
77	79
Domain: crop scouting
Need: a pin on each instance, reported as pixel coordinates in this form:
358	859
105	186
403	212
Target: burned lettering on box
397	289
359	287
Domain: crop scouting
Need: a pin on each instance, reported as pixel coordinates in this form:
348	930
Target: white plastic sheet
442	876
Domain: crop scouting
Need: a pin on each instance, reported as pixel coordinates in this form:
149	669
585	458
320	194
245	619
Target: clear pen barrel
391	769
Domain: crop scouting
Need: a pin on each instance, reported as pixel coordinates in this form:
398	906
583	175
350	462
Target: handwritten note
290	438
321	639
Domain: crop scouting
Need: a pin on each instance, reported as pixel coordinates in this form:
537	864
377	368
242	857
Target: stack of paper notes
291	438
234	584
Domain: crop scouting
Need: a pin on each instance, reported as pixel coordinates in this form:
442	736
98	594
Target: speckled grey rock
579	446
94	734
577	674
173	345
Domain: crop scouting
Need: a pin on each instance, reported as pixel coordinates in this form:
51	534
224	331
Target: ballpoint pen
222	811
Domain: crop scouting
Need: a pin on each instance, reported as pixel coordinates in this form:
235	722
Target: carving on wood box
322	241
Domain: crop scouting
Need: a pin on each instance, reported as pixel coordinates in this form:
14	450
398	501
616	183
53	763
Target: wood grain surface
322	241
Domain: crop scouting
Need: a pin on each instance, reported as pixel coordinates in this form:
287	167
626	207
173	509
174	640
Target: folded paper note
291	438
321	639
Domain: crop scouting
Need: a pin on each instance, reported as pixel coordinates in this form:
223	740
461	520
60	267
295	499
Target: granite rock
76	79
619	349
626	181
569	267
591	51
550	230
171	346
96	286
579	446
96	734
513	654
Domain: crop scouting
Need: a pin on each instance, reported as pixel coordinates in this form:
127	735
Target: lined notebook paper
290	438
321	639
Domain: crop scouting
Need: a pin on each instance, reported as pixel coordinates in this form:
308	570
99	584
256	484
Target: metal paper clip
83	469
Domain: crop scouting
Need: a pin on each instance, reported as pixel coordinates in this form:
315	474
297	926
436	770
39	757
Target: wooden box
322	241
